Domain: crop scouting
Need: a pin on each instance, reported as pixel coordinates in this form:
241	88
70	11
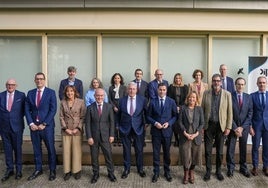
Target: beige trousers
72	153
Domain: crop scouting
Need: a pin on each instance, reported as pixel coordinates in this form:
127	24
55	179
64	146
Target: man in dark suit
162	114
131	117
11	127
142	89
40	109
242	114
153	85
100	133
227	82
259	128
71	80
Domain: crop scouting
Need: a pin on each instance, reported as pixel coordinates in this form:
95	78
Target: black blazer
122	93
198	123
179	99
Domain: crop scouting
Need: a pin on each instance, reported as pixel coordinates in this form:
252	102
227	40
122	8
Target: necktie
138	87
99	110
262	100
240	101
131	110
223	83
10	101
162	104
38	97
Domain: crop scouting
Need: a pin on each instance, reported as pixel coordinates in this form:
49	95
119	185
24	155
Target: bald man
11	127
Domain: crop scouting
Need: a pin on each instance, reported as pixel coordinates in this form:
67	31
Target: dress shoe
7	175
18	175
52	175
125	174
155	178
77	175
207	176
230	173
219	176
168	177
245	173
67	176
142	173
112	177
254	171
35	175
265	171
95	178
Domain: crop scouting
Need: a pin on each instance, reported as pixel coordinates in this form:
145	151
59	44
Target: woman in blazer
191	122
117	90
177	91
198	85
72	114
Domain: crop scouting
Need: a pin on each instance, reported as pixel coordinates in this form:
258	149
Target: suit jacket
184	124
122	93
137	120
230	84
72	118
143	89
13	120
179	99
260	115
46	110
100	128
204	87
225	109
153	87
242	117
169	114
78	86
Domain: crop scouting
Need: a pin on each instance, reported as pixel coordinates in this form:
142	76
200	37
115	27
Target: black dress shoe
77	175
142	173
7	175
155	178
67	176
35	175
52	175
168	177
207	176
245	173
95	178
112	177
18	175
230	173
125	174
219	176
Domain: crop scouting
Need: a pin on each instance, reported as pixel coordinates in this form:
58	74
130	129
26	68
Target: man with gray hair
131	117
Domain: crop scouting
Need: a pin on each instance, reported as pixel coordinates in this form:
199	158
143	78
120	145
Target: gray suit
100	129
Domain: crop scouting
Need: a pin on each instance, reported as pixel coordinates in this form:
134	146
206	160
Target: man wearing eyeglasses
11	127
218	115
153	85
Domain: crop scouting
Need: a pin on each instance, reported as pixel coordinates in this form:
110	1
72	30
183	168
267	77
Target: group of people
190	112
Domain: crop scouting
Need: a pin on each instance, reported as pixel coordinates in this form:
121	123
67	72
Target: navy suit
143	89
230	84
153	87
78	84
11	129
45	112
260	126
161	136
132	127
241	118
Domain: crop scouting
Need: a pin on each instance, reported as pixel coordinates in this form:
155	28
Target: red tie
138	87
99	110
38	97
10	101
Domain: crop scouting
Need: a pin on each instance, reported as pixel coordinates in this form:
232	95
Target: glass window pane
182	55
124	55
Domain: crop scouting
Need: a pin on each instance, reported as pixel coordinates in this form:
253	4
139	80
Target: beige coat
225	110
72	118
204	87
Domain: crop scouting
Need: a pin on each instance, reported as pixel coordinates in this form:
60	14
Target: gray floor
132	181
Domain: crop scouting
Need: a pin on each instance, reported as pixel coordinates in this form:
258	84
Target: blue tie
162	104
262	100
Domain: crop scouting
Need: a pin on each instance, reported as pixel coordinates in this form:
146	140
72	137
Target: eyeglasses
216	80
11	84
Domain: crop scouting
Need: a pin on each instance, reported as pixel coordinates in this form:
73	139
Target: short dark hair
138	70
162	84
240	78
196	71
40	73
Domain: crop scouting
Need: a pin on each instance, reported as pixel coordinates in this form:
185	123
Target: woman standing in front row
72	114
191	122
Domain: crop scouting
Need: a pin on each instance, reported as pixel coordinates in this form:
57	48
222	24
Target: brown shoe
254	171
265	171
191	176
186	177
